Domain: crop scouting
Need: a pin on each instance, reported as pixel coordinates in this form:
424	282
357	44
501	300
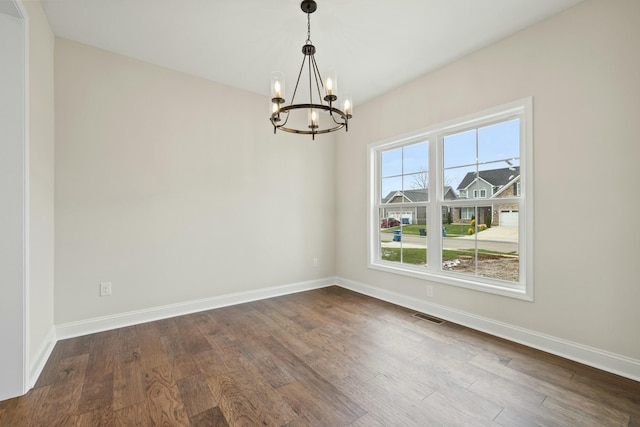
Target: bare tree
420	180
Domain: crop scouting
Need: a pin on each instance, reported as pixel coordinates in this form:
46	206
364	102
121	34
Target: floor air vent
428	318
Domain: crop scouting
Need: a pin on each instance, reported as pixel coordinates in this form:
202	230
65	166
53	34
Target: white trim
607	361
39	359
27	201
99	324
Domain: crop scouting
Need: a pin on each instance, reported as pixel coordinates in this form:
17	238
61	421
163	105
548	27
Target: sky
491	147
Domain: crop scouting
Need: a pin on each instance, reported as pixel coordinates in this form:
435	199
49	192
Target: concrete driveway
497	234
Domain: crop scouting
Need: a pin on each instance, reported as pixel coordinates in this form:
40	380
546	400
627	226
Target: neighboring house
490	184
412	214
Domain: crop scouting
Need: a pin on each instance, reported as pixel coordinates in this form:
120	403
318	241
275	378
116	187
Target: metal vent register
429	318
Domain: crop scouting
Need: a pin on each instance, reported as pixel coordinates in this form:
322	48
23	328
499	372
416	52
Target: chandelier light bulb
277	90
313	119
347	106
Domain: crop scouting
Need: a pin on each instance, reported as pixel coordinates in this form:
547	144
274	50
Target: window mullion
434	252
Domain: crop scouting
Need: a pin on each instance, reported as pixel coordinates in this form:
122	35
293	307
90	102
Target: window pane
500	142
416	158
499	155
389	188
459	182
403	235
392	162
471	245
460	149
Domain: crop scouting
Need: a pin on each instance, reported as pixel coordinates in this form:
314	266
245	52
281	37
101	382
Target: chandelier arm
285	121
293	97
334	119
316	73
310	66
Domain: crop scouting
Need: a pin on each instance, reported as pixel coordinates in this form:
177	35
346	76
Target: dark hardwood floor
328	357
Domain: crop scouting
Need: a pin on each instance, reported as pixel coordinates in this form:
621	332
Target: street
500	239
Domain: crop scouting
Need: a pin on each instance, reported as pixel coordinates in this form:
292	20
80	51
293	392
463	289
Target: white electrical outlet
430	291
315	262
105	289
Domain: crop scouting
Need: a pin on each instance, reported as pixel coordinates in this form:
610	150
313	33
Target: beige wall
582	69
41	158
174	188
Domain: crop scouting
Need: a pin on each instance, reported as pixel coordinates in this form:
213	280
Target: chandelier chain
308	28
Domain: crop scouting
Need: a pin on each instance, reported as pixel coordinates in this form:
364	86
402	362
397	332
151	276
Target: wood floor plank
238	385
163	398
184	365
510	417
128	380
151	350
456	413
97	393
587	412
323	357
196	395
101	417
508	393
65	393
21	411
193	340
210	418
136	415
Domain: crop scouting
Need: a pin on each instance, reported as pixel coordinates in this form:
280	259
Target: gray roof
419	195
495	177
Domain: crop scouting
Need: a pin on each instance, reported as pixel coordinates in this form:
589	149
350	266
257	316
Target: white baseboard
607	361
610	362
99	324
40	357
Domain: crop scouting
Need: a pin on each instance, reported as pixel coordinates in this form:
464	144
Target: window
467	213
482	194
423	180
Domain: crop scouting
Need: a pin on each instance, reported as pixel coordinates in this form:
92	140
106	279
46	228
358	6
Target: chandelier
322	95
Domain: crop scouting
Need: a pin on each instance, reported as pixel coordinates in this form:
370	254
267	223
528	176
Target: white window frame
433	271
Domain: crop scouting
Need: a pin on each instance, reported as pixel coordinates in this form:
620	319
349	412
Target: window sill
492	286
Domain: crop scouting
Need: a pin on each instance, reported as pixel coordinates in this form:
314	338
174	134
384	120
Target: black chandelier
280	113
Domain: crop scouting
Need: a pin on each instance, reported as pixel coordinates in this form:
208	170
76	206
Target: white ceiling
374	45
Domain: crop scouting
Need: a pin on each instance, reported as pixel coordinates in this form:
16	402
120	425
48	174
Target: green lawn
453	230
418	256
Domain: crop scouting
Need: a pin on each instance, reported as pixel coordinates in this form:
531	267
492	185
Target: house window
480	194
466	213
415	179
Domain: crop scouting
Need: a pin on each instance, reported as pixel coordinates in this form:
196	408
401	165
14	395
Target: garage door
509	218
